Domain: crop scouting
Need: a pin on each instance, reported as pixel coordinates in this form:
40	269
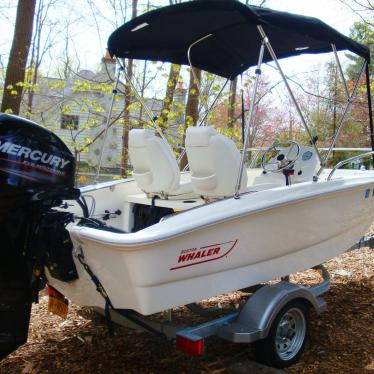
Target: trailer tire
287	336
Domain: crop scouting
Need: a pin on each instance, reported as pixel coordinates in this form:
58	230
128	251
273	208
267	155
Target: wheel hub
290	334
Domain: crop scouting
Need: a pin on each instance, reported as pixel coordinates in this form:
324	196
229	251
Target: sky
333	12
330	11
91	26
91	46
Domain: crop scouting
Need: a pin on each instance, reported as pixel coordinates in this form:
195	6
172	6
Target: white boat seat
155	168
214	162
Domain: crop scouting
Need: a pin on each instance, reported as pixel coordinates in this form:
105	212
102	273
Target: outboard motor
36	174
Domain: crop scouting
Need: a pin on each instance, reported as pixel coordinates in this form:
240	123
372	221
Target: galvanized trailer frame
247	325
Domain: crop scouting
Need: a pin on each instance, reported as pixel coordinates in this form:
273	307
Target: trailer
275	318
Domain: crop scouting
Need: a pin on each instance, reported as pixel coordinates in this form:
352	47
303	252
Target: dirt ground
342	339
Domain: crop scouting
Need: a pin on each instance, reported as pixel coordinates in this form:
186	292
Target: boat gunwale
83	233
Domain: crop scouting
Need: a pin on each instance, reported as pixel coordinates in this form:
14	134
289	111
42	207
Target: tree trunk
142	90
15	73
128	101
231	109
168	100
192	107
35	59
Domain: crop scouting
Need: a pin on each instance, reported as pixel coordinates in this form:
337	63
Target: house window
69	122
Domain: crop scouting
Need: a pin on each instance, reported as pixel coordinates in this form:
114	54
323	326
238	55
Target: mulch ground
341	341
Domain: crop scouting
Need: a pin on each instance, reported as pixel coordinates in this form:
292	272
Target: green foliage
363	33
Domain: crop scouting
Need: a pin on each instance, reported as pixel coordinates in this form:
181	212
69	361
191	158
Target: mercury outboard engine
36	174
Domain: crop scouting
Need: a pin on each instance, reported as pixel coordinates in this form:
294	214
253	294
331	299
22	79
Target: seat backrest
155	168
214	162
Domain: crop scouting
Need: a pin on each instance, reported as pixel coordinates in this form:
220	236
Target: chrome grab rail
354	158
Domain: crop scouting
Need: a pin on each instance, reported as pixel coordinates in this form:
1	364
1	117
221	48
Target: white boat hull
223	246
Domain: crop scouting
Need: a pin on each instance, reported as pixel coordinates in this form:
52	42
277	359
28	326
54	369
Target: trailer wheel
287	336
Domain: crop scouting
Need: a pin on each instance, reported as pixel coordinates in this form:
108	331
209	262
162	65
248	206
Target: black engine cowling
34	163
37	172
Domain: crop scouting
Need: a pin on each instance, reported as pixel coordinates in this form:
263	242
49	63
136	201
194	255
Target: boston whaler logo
199	255
33	157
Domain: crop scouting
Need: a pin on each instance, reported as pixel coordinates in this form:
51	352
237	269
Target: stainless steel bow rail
347	161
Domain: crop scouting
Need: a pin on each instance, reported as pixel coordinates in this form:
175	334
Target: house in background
76	110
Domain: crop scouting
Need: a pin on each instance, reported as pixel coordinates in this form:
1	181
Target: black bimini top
166	34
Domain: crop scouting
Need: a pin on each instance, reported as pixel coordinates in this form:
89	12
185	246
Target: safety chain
129	314
99	288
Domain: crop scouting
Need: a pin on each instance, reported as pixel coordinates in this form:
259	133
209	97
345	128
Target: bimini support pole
371	126
142	102
251	117
189	58
342	119
114	93
340	70
197	80
205	116
213	103
275	59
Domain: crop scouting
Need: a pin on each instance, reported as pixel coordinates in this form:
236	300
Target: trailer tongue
36	173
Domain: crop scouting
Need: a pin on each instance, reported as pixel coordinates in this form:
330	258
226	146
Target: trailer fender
256	317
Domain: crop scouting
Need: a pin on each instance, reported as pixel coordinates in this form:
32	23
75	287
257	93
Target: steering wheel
283	161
